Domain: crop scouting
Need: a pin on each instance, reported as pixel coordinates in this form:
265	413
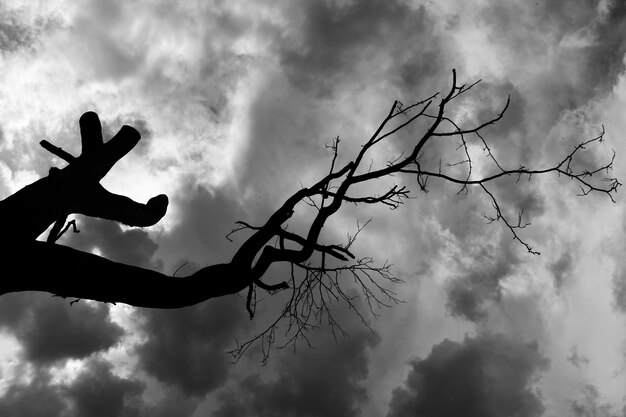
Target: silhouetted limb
58	230
69	273
76	188
321	273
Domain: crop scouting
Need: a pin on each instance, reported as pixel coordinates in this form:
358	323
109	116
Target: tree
46	266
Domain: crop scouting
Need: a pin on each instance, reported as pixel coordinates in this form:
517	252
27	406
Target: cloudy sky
235	101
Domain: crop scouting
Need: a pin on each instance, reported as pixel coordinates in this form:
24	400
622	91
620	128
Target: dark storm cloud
97	392
173	404
531	31
329	42
15	306
605	61
37	399
186	348
84	330
51	330
324	381
486	376
207	216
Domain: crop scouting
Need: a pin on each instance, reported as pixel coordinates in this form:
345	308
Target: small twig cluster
320	272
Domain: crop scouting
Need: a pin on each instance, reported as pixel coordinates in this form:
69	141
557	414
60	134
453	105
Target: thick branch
76	188
70	273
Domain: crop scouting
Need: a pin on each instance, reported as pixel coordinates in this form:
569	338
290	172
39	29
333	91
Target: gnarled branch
321	273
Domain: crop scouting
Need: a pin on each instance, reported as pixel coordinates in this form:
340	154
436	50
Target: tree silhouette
32	265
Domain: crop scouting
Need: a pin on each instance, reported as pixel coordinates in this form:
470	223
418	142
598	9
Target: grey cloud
94	31
466	302
97	392
58	332
515	198
207	216
508	138
486	376
458	214
619	283
533	30
173	403
15	306
326	45
328	42
186	347
576	359
284	139
37	399
561	268
137	121
316	382
606	58
490	98
333	36
50	330
509	143
481	281
25	154
201	86
19	30
591	404
563	16
13	34
133	246
619	290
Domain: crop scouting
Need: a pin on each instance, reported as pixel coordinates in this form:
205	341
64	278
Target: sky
235	101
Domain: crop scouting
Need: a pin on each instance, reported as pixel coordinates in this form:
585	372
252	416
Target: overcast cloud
235	102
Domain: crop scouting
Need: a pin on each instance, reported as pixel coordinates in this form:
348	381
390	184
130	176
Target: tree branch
55	150
321	273
70	273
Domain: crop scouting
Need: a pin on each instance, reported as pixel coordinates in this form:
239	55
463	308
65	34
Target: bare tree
320	271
